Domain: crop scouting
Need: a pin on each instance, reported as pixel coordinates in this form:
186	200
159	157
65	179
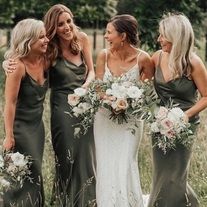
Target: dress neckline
124	73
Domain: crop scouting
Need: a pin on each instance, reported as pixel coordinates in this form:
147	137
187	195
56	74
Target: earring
122	43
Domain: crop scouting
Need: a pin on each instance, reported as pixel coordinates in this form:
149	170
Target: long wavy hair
51	24
25	33
177	29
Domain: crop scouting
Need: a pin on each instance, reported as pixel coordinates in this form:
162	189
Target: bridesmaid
70	52
180	73
25	90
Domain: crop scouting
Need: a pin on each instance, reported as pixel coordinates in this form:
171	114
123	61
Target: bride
118	182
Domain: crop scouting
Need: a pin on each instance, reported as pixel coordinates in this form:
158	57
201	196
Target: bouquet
128	100
14	169
170	128
84	105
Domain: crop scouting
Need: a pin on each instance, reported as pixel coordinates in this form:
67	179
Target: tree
148	14
87	12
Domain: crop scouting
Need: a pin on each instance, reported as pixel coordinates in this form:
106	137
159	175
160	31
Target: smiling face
40	45
65	26
113	37
164	43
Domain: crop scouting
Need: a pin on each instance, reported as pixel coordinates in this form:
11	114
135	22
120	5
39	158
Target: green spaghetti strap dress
29	137
170	170
74	184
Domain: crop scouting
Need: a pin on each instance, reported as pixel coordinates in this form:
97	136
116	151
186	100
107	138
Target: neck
33	59
125	51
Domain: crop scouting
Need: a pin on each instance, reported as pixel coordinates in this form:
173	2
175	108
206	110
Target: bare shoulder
195	60
143	55
82	36
102	53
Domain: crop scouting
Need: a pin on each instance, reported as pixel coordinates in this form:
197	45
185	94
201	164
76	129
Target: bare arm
100	65
146	65
87	54
199	76
12	85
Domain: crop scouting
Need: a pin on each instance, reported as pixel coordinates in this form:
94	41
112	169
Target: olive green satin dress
75	180
29	137
170	170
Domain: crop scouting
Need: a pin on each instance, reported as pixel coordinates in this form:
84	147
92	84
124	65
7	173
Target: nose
46	39
68	26
159	38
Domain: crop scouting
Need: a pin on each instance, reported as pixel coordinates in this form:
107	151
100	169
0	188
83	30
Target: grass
198	167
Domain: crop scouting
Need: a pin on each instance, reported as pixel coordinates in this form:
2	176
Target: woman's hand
8	143
9	65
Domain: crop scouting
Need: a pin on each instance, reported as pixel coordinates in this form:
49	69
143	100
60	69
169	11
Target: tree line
95	13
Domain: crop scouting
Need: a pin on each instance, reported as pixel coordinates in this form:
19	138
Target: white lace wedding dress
118	182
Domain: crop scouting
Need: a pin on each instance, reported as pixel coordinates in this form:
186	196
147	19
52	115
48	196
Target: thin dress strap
159	60
106	57
138	55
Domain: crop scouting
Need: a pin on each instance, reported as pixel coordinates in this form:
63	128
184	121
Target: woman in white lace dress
118	182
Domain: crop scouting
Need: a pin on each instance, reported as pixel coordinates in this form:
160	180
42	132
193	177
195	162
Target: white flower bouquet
14	169
128	100
84	104
170	128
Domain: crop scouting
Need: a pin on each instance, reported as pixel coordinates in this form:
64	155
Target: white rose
134	92
176	115
18	159
73	99
80	91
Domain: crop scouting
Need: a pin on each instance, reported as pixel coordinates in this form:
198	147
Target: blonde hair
51	24
25	33
177	29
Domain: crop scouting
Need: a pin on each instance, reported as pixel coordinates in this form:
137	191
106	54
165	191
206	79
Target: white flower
73	99
154	127
84	106
176	115
18	159
5	183
1	162
134	92
109	92
80	91
77	131
77	111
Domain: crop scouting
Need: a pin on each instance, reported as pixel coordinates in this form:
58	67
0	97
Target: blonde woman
25	90
179	74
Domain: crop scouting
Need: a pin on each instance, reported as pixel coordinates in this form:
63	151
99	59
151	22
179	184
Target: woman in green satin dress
70	52
180	73
25	91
